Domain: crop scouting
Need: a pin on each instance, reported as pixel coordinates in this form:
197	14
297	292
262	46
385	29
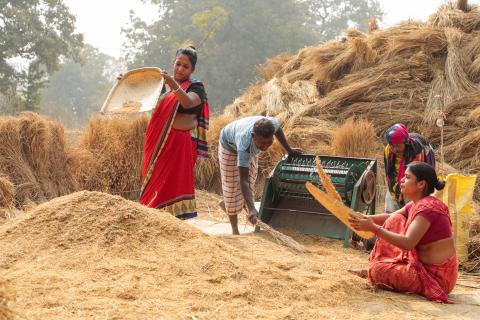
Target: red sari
401	270
169	159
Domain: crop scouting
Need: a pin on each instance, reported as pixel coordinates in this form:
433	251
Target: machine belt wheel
368	186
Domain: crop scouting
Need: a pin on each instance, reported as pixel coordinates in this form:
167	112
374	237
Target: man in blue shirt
239	145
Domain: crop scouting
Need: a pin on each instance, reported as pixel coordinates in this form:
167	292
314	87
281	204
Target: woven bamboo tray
136	92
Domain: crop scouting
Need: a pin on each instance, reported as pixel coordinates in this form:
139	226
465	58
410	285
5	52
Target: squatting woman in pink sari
415	250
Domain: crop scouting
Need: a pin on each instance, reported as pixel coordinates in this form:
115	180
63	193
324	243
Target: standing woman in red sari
175	137
415	251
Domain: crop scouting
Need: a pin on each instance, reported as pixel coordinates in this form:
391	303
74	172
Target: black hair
264	128
190	52
424	171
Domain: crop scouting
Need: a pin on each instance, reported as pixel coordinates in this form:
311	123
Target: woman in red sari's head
420	180
184	65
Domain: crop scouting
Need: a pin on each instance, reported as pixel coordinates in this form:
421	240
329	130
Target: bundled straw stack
110	156
35	164
408	73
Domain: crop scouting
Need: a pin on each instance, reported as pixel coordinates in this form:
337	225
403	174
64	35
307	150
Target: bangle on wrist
176	90
377	230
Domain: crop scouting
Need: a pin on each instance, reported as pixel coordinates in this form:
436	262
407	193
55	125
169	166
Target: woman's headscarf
397	134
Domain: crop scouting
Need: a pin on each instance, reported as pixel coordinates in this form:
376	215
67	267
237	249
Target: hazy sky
101	20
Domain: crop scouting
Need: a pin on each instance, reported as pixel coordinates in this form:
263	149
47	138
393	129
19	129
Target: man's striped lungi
232	193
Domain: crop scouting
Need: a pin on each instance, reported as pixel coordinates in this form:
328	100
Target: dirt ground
91	255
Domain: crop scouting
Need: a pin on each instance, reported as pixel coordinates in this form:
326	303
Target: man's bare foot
221	204
234	223
362	273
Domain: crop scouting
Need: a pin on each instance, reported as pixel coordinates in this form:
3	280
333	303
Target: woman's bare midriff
436	252
185	122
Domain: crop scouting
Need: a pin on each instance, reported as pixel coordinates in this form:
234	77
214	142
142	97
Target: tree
35	36
235	36
77	91
331	17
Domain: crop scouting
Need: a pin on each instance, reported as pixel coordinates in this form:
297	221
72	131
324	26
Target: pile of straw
7	192
109	158
473	245
34	159
121	259
408	73
6	313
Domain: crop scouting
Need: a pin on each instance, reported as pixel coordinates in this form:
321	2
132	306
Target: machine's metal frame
314	221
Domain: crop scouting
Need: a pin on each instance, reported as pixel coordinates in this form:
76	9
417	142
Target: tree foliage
233	36
35	35
77	91
331	17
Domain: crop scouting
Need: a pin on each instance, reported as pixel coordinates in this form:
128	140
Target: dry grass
474	70
35	158
461	15
7	192
110	159
458	82
356	138
473	247
105	257
6	312
273	65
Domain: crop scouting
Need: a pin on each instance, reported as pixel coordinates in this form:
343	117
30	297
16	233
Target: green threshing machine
286	203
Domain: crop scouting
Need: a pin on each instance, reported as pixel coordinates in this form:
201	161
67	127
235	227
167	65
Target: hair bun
440	185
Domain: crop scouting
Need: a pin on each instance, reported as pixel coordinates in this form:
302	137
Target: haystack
109	158
409	73
34	158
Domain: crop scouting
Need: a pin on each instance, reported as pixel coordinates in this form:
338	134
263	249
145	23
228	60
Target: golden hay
437	99
356	138
431	41
6	296
84	230
123	260
473	247
7	192
474	70
458	82
403	74
356	57
472	45
112	157
475	225
35	158
273	65
474	115
460	15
